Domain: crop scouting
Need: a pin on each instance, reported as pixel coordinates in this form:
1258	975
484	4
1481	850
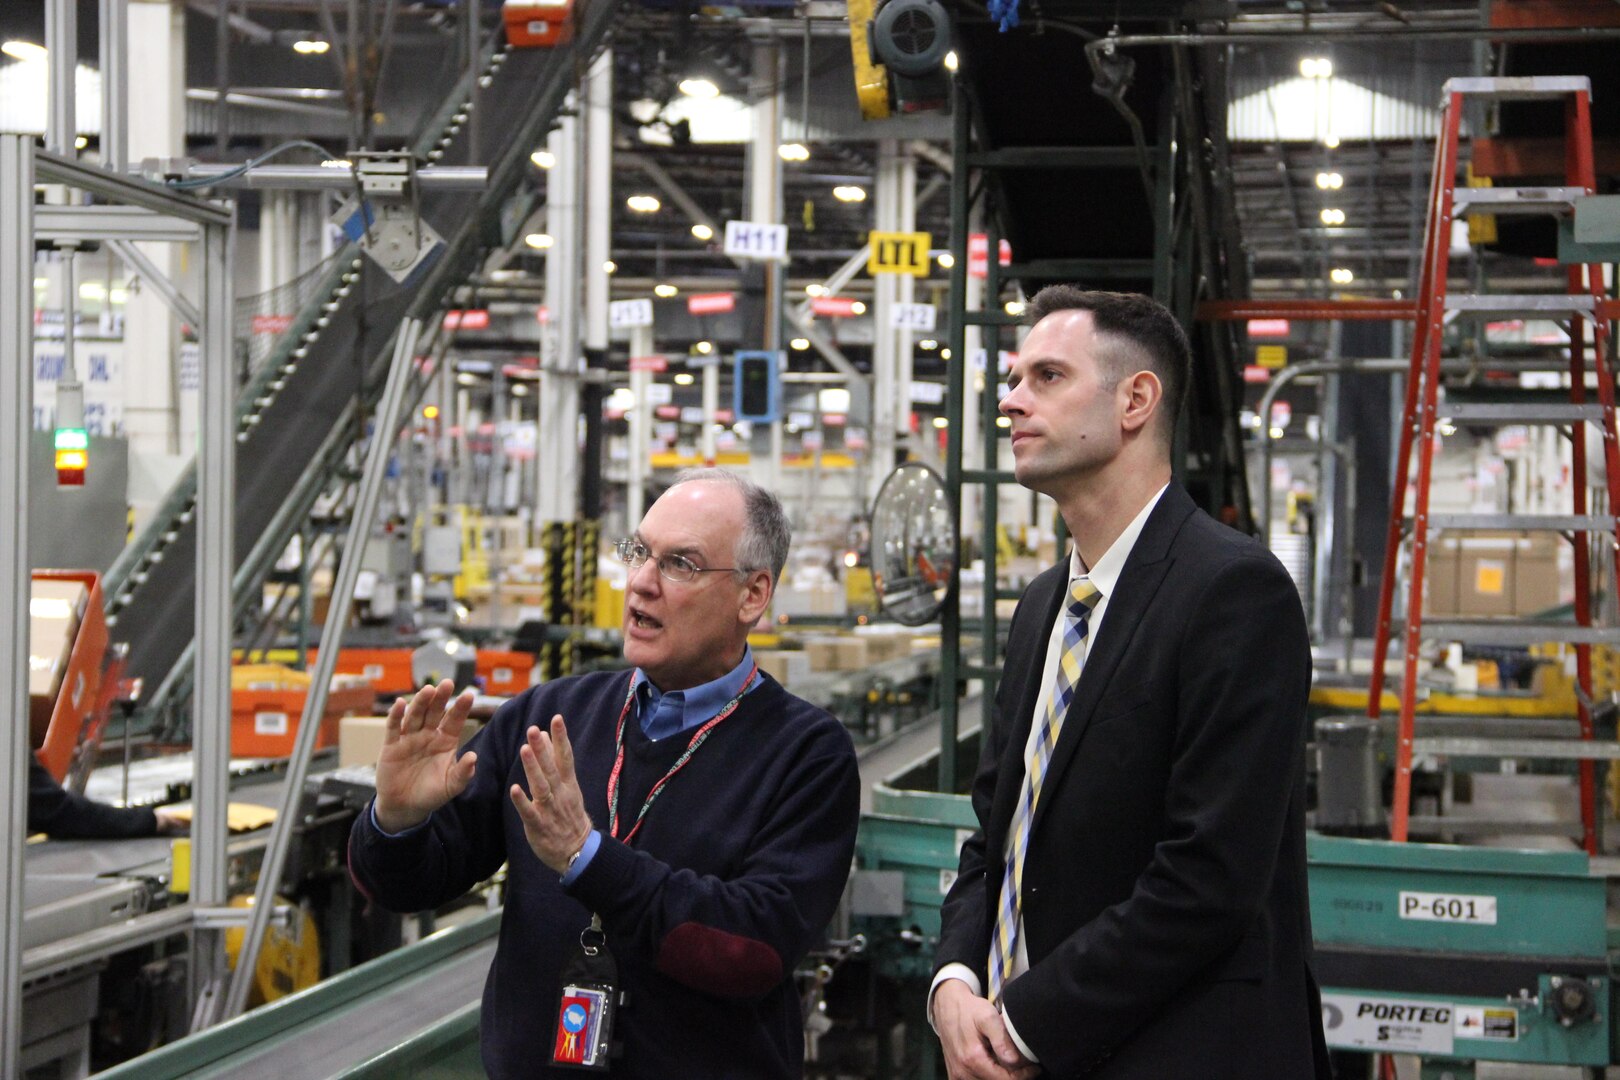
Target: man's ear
756	596
1142	393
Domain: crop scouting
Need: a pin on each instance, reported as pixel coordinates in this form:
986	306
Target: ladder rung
1519	87
1500	727
1009	594
1428	824
1516	200
1000	318
1535	522
1543	749
1520	413
1517	632
1536	304
989	476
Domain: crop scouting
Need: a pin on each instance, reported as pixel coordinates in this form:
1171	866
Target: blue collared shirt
698	706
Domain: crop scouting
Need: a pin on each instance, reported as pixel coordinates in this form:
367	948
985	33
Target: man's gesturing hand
553	810
975	1041
418	770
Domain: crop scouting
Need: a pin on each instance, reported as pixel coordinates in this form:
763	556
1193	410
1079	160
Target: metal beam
16	420
135	258
323	178
62	41
114	31
55	169
83	224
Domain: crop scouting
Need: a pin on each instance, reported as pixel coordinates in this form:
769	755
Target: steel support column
16	422
886	405
62	41
905	193
640	417
765	206
216	564
598	237
114	31
556	450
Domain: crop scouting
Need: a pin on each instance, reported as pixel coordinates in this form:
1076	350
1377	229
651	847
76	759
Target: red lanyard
691	748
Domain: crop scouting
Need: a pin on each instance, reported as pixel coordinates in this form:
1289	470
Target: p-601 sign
1448	907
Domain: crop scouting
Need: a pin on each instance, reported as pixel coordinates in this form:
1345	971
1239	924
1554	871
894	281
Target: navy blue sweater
735	873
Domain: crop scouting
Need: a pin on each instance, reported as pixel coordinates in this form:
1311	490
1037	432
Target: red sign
476	319
542	314
271	324
711	303
833	419
668	412
1254	373
979	254
839	307
723	416
1268	327
649	363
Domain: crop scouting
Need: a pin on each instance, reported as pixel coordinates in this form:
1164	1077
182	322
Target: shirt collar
699	702
1105	575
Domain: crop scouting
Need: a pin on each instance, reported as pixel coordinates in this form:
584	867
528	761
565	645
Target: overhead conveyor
297	418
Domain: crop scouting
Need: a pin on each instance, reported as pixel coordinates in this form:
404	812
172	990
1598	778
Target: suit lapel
1144	572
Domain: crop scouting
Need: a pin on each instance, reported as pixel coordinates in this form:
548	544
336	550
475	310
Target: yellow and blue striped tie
1083	597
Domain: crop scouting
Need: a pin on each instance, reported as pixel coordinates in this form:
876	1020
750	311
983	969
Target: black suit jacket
1165	902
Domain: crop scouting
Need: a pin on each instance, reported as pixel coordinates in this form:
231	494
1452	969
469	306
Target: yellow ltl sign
899	253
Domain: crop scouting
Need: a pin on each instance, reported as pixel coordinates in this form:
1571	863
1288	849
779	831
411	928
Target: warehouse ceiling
1357	144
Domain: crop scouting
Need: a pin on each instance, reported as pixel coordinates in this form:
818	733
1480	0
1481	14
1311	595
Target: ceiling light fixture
311	46
857	308
665	290
643	204
1014	307
543	159
1342	275
946	260
609	267
683	378
799	344
941	423
793	152
699	88
928	344
1331	141
951	62
702	231
849	193
1332	216
1316	67
815	289
26	51
538	240
703	348
1329	181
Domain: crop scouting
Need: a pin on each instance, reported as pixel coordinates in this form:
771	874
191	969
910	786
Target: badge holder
585	1011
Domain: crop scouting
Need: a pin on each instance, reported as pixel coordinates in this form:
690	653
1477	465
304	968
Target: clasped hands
418	771
974	1037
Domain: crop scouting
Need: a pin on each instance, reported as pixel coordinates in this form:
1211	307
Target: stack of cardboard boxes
1484	574
54	610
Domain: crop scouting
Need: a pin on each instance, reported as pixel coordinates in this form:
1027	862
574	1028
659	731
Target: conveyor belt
345	1023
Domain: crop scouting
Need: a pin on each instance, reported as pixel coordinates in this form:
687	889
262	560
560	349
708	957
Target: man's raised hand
418	770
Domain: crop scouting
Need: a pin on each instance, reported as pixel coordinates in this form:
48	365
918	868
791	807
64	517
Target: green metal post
989	503
956	387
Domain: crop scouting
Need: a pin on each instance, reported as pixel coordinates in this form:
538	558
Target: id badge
586	1004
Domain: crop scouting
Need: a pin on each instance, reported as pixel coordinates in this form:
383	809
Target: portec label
1357	1022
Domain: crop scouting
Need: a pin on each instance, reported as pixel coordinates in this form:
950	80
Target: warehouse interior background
374	325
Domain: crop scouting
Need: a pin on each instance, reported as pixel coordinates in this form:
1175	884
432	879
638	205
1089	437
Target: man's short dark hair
1139	333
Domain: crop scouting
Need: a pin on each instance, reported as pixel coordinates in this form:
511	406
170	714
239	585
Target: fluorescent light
539	240
793	152
683	378
702	231
849	193
857	308
1329	181
1316	67
1342	275
337	163
1332	216
543	159
643	204
799	344
699	88
665	290
24	50
311	46
951	62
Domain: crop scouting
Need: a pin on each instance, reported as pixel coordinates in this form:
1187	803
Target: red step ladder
1580	307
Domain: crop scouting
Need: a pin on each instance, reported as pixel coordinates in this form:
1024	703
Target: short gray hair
766	534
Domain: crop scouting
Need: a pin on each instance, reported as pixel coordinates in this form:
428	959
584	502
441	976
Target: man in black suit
1133	906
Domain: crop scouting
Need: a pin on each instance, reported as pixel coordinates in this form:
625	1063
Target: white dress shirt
1105	576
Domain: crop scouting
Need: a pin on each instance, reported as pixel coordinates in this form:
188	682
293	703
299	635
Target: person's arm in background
63	815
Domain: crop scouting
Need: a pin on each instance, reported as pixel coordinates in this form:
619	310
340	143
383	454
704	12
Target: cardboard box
1492	574
360	738
785	666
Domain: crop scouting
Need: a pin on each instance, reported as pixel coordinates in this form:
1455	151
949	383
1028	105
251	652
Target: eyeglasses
678	568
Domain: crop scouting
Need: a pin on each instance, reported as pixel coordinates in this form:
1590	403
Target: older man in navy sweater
705	816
